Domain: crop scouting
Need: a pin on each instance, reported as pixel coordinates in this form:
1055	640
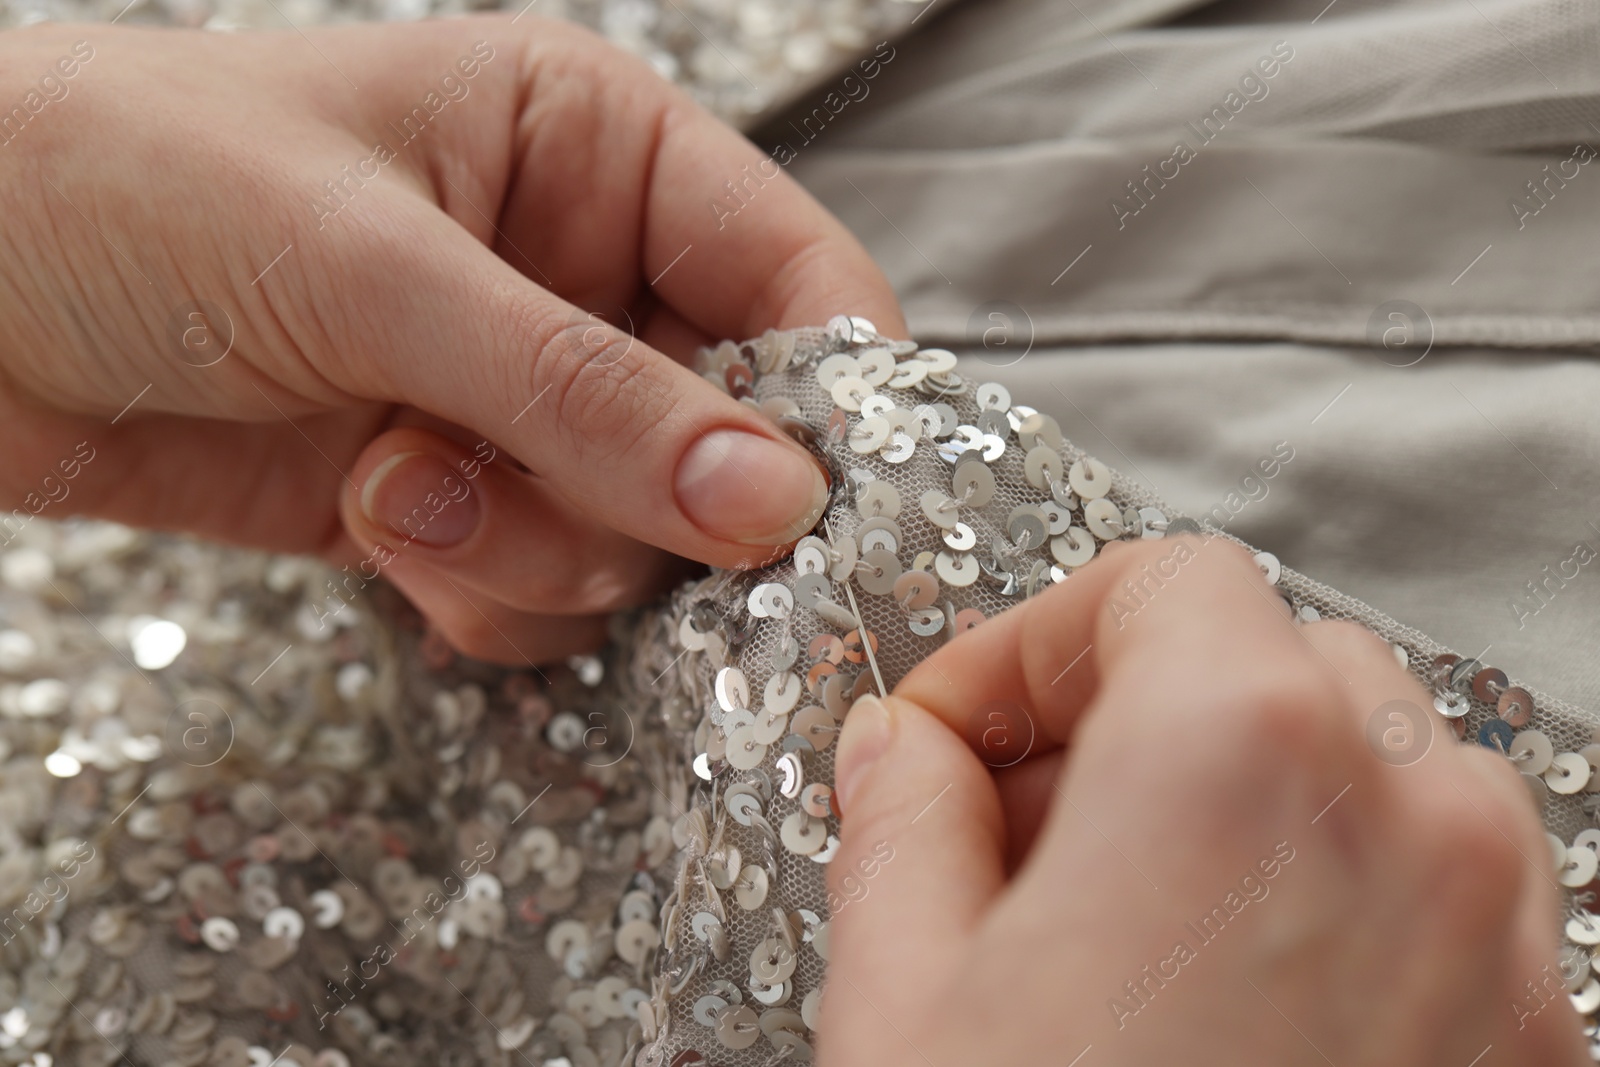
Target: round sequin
732	690
957	569
816	800
878	500
816	725
1073	549
940	509
878	572
803	834
875	365
744	751
1102	518
1271	569
708	1009
790	775
1089	478
737	1028
1568	773
849	392
285	923
1027	525
1042	467
772	961
869	435
843	555
1152	523
1515	706
908	375
901	447
1578	868
743	806
961	538
635	939
770	600
750	891
973	485
915	589
836	368
219	934
879	539
1532	752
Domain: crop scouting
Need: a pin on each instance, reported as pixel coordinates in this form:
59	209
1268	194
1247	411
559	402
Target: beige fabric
1233	309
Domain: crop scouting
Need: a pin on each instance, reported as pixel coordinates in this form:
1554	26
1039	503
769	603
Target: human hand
252	273
1215	868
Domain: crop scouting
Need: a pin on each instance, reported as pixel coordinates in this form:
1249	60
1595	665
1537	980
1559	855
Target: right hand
1379	916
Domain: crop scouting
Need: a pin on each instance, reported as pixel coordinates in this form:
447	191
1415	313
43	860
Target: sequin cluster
743	59
271	832
1479	703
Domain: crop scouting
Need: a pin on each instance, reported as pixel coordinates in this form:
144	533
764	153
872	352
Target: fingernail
866	734
749	488
421	498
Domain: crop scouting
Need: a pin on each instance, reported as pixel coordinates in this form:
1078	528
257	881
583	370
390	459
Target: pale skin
1200	738
438	317
442	305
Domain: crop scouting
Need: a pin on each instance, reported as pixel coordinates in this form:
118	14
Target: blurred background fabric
1381	254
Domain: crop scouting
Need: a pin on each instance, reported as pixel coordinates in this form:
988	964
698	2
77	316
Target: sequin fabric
314	837
952	502
251	812
745	60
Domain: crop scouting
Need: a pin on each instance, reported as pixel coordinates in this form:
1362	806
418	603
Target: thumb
630	438
921	854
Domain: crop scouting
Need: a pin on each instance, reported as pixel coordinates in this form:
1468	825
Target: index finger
1137	608
614	184
600	195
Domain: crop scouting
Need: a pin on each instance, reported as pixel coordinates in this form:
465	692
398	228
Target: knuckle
1287	710
1130	556
1477	868
1225	556
593	375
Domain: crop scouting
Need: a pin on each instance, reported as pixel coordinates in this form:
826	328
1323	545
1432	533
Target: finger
465	512
1367	666
1207	691
630	438
1496	863
1027	791
1510	854
483	628
270	485
1050	654
1385	698
920	813
617	182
